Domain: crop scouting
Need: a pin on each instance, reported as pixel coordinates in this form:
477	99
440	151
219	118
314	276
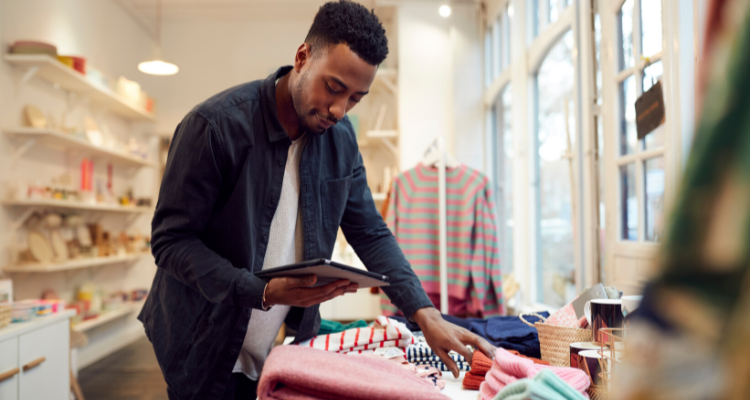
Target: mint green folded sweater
543	386
327	327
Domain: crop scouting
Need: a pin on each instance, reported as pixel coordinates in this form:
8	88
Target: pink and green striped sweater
474	278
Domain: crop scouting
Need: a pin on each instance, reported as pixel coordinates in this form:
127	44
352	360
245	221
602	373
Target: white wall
114	43
217	54
440	82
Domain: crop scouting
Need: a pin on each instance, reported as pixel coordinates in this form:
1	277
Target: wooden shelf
52	137
76	205
74	264
69	79
108	316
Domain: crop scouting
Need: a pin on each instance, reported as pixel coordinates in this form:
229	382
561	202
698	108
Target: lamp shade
158	67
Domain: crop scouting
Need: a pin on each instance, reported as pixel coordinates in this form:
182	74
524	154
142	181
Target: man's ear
302	57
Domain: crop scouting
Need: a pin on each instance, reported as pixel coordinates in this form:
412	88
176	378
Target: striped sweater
473	261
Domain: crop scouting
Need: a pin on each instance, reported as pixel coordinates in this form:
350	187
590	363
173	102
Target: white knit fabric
284	247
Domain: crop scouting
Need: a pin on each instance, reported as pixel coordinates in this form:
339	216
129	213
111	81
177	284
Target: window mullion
637	34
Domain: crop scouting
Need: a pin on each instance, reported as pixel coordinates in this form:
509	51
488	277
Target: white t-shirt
285	246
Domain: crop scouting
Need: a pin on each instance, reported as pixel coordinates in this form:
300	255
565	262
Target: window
544	13
554	182
640	162
497	46
502	138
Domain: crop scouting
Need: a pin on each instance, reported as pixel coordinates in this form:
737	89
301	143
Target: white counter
20	328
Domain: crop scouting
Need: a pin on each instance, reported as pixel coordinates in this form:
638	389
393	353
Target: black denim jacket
210	231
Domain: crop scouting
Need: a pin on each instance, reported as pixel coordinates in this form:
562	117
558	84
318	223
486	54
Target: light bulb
445	11
158	67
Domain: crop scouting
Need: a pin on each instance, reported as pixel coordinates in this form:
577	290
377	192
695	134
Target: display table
453	387
455	390
35	358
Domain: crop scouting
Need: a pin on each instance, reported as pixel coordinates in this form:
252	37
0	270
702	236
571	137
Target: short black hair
347	22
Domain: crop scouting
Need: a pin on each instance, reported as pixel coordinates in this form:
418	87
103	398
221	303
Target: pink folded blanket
508	368
302	373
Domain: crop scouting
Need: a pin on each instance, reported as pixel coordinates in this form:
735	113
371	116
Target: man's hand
296	291
442	337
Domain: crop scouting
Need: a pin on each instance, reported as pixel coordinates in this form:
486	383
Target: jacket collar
268	103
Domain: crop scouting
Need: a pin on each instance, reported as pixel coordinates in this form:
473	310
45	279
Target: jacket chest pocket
334	195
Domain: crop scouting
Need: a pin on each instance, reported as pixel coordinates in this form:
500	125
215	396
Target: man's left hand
442	337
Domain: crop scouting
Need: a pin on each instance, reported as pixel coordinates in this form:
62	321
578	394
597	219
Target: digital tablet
327	271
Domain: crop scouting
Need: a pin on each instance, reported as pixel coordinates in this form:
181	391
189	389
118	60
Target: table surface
455	390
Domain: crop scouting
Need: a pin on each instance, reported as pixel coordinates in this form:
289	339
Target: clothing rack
435	154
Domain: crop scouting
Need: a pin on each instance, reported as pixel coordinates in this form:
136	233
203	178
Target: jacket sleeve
189	190
375	245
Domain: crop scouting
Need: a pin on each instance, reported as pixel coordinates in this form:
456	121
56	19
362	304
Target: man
259	176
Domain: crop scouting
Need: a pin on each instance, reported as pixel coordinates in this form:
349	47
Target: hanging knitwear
384	332
474	277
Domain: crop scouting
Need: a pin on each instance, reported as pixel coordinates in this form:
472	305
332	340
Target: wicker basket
5	315
555	340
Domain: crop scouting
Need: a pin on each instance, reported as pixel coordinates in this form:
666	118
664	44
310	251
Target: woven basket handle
532	314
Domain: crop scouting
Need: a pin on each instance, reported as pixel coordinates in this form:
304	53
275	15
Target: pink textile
427	372
508	368
566	316
302	373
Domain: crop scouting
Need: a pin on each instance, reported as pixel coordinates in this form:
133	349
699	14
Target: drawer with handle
9	369
43	357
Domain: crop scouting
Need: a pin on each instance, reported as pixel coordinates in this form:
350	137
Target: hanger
432	158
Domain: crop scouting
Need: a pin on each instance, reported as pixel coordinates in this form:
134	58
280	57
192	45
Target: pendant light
157	66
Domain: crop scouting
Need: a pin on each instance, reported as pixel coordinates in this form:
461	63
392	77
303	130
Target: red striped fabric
474	278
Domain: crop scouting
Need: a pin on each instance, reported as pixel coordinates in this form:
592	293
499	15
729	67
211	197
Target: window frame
527	51
629	264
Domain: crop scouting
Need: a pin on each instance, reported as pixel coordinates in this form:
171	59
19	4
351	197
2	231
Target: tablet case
327	271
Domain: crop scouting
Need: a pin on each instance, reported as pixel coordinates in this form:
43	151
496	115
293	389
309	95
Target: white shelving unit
108	316
96	97
71	80
76	205
379	196
53	138
74	264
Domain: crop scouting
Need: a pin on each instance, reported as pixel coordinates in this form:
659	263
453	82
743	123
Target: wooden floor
129	374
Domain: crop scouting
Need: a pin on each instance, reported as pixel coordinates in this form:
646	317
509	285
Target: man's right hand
296	291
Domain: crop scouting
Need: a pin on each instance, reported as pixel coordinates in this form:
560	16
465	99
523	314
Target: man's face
329	85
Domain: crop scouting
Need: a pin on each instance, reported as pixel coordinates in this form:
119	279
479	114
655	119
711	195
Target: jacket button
265	236
281	162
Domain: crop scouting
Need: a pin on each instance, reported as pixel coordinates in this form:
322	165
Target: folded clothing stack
293	372
510	333
543	386
384	332
480	365
430	374
420	353
508	368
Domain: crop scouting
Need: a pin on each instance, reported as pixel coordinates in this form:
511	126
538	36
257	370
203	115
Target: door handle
9	374
34	364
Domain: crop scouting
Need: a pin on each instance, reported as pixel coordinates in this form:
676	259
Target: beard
298	100
307	119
